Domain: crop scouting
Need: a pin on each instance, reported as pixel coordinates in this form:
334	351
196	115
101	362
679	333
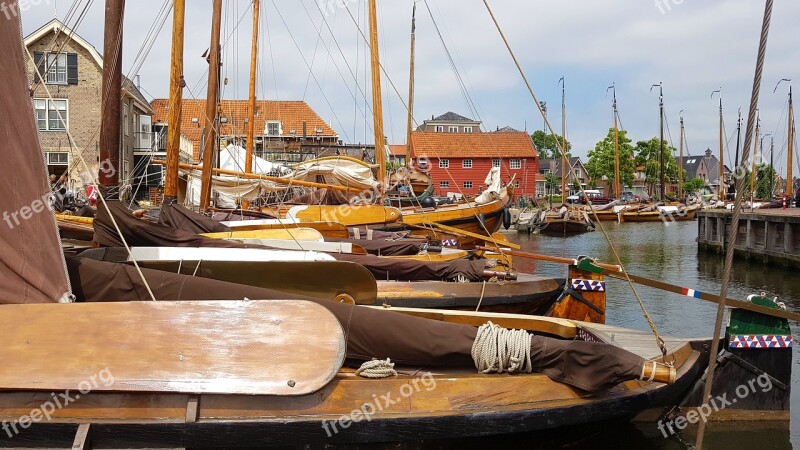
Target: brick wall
457	175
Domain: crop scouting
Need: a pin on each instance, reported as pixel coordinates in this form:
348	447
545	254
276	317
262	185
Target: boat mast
661	147
110	129
755	157
772	167
176	83
738	139
211	140
680	162
789	179
617	185
411	86
377	100
251	120
564	159
721	148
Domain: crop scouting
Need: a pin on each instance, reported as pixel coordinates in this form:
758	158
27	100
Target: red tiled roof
473	145
397	149
291	114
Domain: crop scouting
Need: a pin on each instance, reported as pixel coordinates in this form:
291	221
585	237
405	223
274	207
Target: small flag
691	293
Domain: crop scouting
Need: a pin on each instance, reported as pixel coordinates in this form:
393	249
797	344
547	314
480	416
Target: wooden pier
771	236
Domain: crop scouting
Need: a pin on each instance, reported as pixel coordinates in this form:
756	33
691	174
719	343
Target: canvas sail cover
31	262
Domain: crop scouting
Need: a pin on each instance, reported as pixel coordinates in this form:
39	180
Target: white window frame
515	164
440	128
452	129
444	163
273	122
125	126
497	163
467	129
56	72
578	173
466	164
444	184
50	162
48	108
468	185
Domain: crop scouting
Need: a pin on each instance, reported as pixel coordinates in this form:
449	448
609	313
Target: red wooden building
459	162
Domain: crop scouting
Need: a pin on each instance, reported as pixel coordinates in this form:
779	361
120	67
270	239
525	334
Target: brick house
283	128
459	162
72	70
576	172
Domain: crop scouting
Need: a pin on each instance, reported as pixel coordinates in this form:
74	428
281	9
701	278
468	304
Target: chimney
708	153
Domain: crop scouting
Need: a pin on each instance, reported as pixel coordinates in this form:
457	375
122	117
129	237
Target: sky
692	48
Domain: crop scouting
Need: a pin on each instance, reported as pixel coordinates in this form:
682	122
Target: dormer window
273	128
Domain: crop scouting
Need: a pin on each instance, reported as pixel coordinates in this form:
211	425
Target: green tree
766	178
647	156
693	185
601	160
547	145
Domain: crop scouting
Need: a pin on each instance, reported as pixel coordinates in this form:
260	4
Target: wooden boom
256	176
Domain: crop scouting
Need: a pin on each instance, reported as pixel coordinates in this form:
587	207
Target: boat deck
642	343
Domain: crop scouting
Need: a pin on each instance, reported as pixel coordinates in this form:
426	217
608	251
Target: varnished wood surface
571	308
299	234
348	215
334	230
222	347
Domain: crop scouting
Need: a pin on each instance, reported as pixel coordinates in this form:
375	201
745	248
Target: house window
515	164
51	115
467	164
496	163
468	185
56	68
452	129
467	129
440	128
273	128
57	159
444	184
517	184
125	125
577	173
444	163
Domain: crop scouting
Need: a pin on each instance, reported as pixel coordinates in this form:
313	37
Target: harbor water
669	252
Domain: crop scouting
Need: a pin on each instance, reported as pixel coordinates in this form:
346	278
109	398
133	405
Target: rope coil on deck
377	368
498	350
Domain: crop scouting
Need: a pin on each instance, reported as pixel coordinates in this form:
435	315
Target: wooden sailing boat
568	221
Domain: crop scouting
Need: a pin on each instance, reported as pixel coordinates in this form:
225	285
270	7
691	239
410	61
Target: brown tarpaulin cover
31	264
176	216
140	233
410	270
384	247
370	333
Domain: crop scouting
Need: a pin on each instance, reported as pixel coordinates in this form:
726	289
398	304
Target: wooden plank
557	327
480	237
219	347
299	234
348	215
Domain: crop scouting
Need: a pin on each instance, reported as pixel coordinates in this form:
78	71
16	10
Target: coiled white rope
377	368
498	350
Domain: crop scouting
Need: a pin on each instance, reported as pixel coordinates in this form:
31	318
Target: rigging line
93	177
659	339
344	59
316	47
737	211
327	100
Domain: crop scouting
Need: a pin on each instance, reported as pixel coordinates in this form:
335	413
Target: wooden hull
604	216
528	295
75	230
476	219
451	403
561	227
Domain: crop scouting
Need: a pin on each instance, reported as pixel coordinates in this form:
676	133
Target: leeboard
348	215
327	280
279	347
